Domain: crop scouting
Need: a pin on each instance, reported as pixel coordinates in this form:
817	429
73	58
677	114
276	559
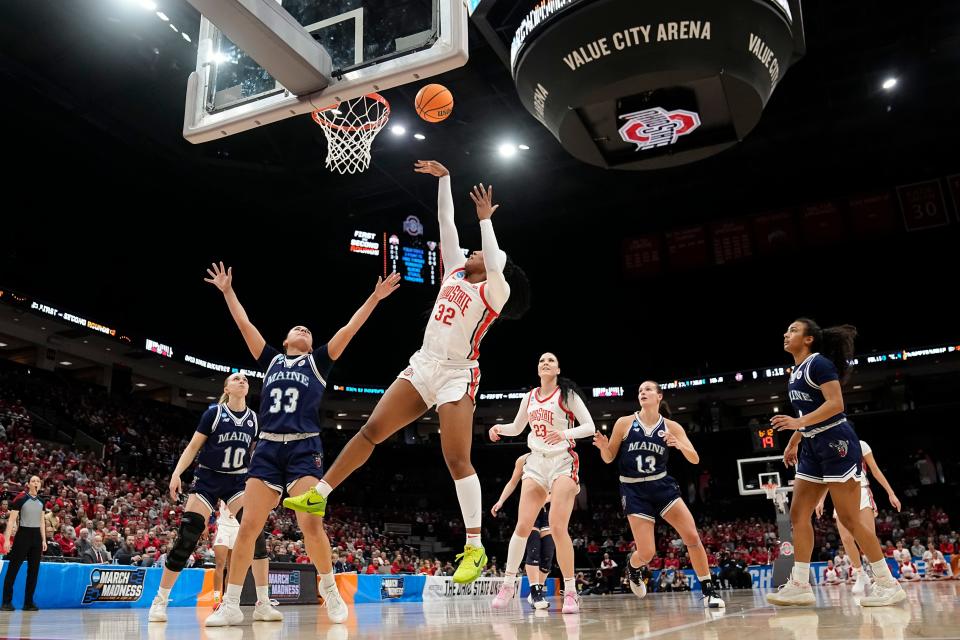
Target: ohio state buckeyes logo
842	446
657	127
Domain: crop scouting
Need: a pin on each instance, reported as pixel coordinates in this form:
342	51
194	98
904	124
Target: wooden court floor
932	611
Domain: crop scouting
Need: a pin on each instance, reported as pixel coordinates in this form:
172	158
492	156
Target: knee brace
260	547
532	555
547	550
192	526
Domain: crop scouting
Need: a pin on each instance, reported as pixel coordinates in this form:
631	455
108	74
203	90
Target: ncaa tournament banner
389	588
104	586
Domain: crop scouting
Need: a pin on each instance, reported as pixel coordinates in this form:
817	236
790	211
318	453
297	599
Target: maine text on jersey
291	376
646	446
234	436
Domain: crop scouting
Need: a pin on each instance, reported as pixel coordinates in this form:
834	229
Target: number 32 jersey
461	317
293	390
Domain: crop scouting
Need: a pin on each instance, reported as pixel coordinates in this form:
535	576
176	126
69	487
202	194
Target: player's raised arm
450	250
342	338
222	278
494	260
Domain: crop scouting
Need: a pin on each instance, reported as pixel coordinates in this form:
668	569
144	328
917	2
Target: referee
27	512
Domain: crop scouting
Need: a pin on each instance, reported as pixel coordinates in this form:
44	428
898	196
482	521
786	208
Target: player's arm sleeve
205	425
321	356
520	422
582	414
268	354
450	250
822	371
496	290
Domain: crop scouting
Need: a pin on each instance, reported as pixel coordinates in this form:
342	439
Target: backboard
753	473
370	46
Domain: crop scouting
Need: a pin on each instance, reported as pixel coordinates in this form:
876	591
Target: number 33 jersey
293	390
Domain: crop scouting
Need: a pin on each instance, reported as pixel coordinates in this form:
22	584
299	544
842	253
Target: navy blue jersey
643	452
293	390
229	438
804	387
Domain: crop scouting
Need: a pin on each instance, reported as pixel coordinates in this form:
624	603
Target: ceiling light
397	130
65	363
889	83
163	16
185	36
523	147
419	136
507	149
141	385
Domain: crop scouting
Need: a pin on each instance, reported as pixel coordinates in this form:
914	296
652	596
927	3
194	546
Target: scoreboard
404	251
765	439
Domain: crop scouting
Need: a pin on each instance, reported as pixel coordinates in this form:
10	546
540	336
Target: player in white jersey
868	515
552	468
227	528
475	292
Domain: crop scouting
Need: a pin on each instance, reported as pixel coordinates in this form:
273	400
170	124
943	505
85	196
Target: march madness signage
114	585
284	585
391	588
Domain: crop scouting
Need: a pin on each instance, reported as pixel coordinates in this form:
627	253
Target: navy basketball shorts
833	455
213	486
280	464
647	499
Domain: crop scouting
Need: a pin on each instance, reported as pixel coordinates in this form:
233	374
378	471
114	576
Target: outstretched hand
432	167
385	287
221	277
483	198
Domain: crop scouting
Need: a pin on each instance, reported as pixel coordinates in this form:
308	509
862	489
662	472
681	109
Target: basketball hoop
350	127
771	490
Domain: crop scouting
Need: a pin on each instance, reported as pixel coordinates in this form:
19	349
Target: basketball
434	103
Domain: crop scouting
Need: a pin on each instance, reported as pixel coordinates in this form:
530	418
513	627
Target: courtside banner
444	588
389	588
104	586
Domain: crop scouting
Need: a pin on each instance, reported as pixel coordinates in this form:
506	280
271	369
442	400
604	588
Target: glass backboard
373	45
753	473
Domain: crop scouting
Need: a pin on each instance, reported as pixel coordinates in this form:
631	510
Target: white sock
163	593
569	586
703	579
474	540
515	551
263	594
801	572
881	571
232	594
327	581
323	488
468	494
216	595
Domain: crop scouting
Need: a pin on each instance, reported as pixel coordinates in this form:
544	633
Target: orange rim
322	120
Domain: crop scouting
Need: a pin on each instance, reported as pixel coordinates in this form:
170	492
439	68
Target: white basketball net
350	127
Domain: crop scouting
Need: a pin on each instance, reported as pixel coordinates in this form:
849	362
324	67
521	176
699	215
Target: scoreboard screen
404	250
765	439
